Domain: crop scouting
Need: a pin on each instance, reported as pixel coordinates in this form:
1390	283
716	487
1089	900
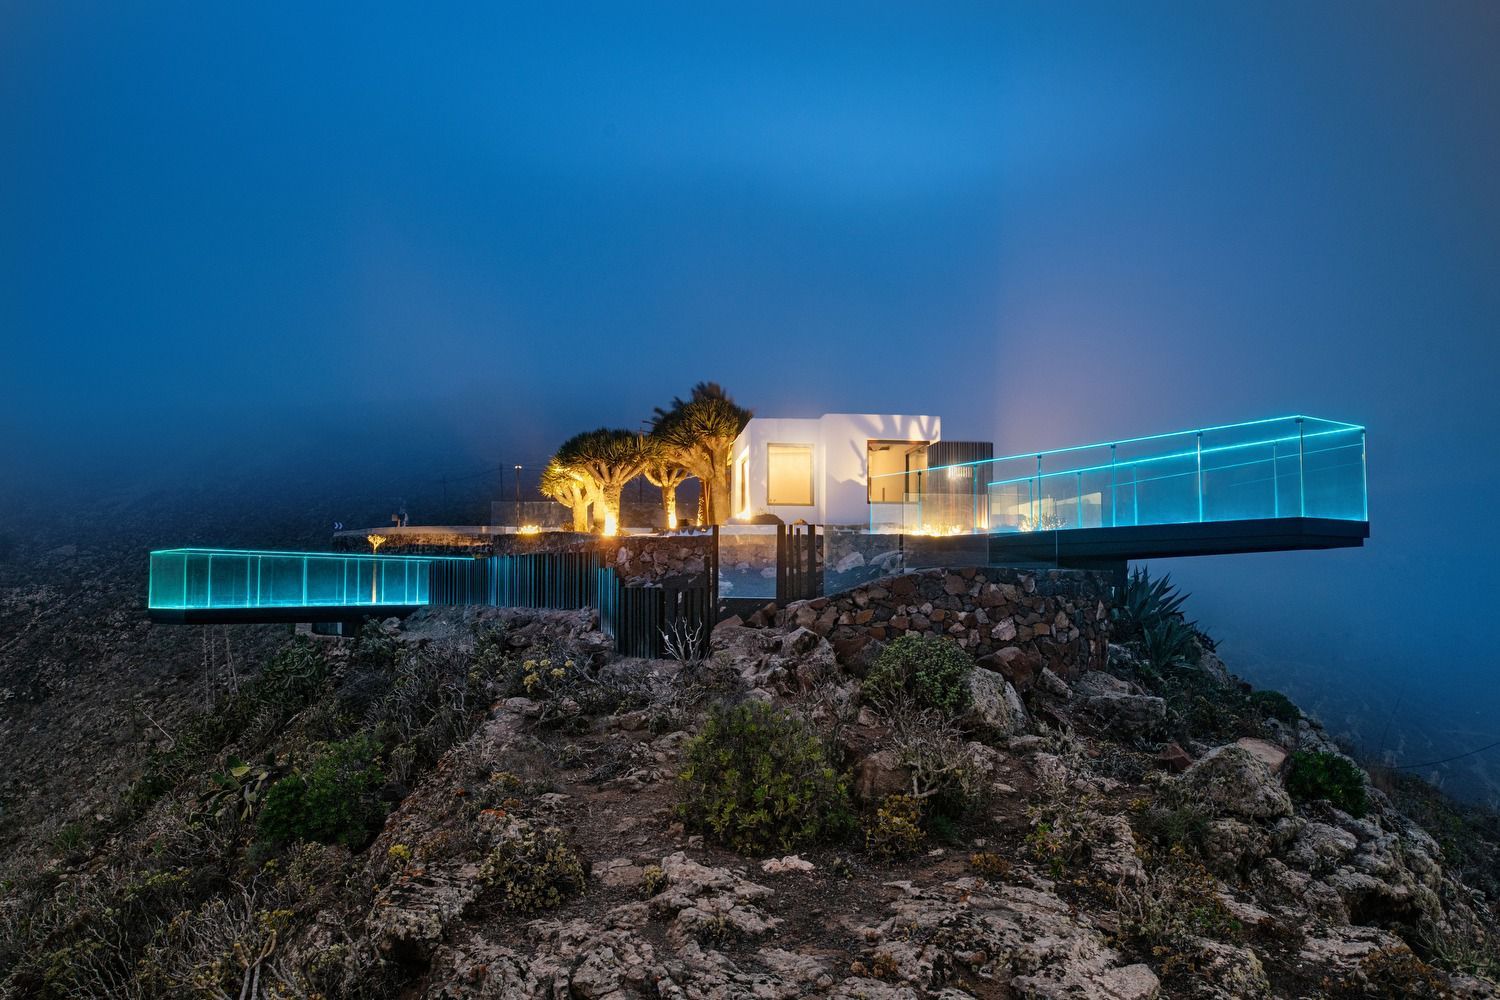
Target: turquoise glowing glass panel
203	579
1279	467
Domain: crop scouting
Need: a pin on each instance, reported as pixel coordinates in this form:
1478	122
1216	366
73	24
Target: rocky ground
526	841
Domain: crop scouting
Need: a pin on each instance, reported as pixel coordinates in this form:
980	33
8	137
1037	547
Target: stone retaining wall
639	558
1012	621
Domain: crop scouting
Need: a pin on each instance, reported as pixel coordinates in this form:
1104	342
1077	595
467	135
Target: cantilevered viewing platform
1285	483
222	586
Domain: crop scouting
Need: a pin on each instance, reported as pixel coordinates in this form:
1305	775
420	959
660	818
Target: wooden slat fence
798	574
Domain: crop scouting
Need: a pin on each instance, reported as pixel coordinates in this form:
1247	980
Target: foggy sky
257	233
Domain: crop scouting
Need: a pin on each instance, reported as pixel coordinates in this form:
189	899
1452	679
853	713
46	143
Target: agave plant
1145	602
1168	644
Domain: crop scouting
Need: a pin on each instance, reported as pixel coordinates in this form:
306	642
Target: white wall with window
789	475
817	469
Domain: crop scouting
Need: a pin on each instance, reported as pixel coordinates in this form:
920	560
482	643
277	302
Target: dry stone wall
1012	621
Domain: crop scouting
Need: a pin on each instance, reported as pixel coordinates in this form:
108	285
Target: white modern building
828	469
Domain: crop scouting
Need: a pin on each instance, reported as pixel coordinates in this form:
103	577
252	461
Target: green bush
896	829
758	780
284	686
933	672
533	869
1275	705
1318	774
335	801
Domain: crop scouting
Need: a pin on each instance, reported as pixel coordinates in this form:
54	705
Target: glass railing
201	579
1276	468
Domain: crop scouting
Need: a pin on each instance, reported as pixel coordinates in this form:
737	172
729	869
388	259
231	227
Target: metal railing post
1200	475
1113	497
1364	474
1301	470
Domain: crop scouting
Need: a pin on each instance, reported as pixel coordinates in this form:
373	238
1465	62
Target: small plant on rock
1390	974
989	865
896	829
1177	904
653	880
932	672
758	779
533	869
1318	774
948	777
1275	705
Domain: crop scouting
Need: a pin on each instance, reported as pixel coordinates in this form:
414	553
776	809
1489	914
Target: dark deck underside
1168	541
294	615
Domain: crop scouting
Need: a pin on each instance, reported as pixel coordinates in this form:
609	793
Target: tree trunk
580	512
718	499
611	500
669	504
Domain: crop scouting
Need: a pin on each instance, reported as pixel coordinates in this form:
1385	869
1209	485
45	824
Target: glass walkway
1284	467
262	586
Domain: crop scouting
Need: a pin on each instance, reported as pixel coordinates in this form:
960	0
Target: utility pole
518	497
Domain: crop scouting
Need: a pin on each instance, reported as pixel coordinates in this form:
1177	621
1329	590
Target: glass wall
1282	467
747	561
194	579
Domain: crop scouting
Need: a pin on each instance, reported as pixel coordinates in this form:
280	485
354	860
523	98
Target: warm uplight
529	529
935	530
376	541
611	524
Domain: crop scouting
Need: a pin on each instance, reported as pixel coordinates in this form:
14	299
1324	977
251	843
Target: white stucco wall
840	444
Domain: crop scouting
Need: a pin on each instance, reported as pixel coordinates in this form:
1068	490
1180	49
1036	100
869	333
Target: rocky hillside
491	804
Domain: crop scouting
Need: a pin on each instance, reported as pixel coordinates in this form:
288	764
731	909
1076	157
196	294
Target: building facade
840	468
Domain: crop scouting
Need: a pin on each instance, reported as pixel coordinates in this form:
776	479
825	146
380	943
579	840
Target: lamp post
518	498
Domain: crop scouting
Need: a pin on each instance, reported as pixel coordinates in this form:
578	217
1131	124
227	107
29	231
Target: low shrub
533	869
1318	774
948	776
1172	825
335	801
294	675
567	690
1390	974
932	672
896	829
1275	705
1178	904
758	779
989	865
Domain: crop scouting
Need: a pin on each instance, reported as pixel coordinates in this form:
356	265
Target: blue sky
473	229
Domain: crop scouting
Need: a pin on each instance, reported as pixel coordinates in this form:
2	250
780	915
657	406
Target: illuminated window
895	469
742	486
789	475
